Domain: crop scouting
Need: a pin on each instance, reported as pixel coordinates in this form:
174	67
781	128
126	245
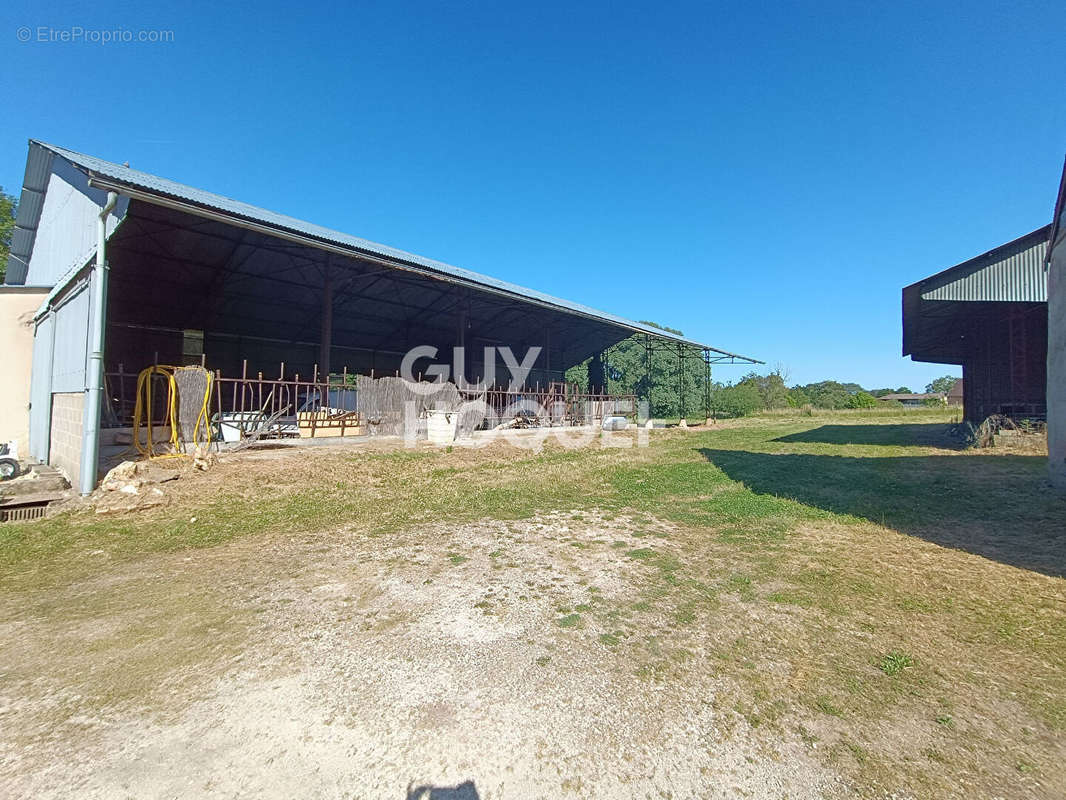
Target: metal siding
71	342
155	184
34	183
21	242
1014	275
41	389
66	229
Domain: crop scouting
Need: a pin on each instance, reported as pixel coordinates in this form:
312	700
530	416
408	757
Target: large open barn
144	271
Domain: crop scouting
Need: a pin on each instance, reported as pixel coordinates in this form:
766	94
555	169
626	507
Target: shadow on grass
996	506
907	434
464	791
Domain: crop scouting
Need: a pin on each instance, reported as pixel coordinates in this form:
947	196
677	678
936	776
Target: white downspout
94	378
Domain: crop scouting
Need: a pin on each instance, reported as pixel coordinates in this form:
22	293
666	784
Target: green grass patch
895	663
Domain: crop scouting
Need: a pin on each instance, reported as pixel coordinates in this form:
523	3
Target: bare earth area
375	669
775	609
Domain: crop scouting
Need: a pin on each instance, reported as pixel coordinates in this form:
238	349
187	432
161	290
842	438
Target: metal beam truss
684	353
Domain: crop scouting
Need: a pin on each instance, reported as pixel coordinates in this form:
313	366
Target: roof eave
153	196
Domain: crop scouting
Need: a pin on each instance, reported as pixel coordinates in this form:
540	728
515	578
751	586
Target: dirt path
460	662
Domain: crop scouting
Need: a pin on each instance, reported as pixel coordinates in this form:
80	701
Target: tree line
675	382
8	209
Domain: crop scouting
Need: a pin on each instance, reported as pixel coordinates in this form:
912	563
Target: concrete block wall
64	449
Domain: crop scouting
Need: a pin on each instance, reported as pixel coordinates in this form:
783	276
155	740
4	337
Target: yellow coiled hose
142	413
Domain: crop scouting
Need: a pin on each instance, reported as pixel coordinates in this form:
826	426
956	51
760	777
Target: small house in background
955	396
913	400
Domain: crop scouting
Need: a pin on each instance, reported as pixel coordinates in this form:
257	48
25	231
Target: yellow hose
142	411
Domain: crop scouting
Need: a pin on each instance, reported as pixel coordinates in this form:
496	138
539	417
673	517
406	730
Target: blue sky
766	178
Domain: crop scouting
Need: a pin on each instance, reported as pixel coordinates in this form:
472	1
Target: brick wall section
65	446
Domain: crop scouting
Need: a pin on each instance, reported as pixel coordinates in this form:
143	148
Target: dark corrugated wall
1005	371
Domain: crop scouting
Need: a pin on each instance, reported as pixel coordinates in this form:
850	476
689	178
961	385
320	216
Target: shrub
862	400
738	401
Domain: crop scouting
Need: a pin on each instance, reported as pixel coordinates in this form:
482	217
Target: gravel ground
429	664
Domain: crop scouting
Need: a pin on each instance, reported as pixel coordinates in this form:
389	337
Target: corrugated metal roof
198	197
31	201
1012	273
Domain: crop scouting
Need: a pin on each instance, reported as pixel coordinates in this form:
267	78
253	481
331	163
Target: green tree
653	374
903	390
8	208
862	400
771	387
737	401
941	385
827	394
797	397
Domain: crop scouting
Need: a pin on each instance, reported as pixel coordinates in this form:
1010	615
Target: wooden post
326	338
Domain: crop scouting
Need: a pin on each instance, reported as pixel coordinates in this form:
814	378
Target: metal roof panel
154	184
31	201
1011	273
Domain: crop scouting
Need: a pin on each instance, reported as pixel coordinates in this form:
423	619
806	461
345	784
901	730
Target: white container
615	423
441	425
233	424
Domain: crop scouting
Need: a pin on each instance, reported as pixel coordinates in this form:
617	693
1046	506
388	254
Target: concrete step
40	479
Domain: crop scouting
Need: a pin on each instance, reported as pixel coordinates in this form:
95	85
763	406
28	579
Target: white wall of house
17	307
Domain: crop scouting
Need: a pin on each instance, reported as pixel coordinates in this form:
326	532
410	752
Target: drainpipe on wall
94	376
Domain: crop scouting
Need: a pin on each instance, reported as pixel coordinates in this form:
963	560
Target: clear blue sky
765	179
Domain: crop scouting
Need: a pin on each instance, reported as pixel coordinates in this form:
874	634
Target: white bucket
441	425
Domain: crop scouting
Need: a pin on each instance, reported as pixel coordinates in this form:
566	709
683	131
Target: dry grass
852	586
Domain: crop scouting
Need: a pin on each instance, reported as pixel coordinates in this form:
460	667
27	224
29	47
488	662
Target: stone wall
64	449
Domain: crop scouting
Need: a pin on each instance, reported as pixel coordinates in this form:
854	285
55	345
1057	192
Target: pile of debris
134	485
997	429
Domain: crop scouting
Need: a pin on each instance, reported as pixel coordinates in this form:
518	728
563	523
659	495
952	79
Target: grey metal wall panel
66	230
1007	274
41	389
71	342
